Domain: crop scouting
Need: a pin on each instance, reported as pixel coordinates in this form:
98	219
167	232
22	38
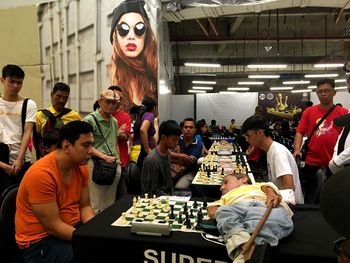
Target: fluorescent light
203	82
264	76
238	89
321	75
267	66
281	88
339	80
250	83
301	90
329	65
292	82
196	91
340	88
312	87
205	65
202	88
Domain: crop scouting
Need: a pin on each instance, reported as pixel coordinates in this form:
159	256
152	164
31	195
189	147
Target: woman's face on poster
131	31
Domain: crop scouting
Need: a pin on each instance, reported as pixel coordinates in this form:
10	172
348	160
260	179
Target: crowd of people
57	192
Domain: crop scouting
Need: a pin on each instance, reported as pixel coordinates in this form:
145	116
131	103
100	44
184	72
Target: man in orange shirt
53	197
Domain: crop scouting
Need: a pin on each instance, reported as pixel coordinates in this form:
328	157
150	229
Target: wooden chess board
142	213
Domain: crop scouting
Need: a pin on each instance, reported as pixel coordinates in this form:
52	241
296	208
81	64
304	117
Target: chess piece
146	197
134	200
172	216
191	213
195	204
180	218
205	204
124	218
151	214
188	223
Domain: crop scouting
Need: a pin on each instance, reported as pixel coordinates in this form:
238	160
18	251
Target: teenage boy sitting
156	175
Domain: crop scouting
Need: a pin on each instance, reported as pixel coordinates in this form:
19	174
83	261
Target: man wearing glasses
281	166
322	141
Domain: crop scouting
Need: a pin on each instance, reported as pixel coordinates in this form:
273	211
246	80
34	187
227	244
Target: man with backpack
54	117
17	118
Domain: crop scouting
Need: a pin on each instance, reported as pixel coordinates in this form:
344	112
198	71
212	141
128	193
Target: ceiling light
301	90
205	65
340	88
250	83
329	65
203	82
321	75
238	89
281	88
264	76
312	87
267	66
202	88
292	82
196	91
339	80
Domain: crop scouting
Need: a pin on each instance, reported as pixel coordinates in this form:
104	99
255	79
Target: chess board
204	179
161	216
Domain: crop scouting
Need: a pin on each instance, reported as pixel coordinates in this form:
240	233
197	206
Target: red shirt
123	118
321	145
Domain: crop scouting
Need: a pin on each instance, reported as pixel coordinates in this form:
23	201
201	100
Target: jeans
49	250
246	214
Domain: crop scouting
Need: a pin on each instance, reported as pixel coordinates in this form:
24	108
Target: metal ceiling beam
202	27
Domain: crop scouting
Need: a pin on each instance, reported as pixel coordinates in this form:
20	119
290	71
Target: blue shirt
194	149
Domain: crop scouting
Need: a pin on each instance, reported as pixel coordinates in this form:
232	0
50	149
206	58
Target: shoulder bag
104	172
305	147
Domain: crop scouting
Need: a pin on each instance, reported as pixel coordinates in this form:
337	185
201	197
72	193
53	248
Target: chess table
99	241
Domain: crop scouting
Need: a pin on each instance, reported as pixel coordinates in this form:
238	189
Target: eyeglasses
123	29
246	135
338	249
325	91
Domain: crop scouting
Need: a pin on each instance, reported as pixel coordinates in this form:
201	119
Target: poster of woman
134	63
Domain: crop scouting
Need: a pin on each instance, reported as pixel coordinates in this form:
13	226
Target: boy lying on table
240	209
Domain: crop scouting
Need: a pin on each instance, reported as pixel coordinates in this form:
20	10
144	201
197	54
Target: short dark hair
331	82
117	88
60	86
189	119
72	130
12	71
255	123
51	138
169	127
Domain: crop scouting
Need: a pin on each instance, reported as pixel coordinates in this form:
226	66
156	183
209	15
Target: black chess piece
188	223
222	171
180	218
191	213
205	204
200	214
172	216
195	204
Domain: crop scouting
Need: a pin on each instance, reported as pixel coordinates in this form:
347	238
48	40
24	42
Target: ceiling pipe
213	26
278	33
202	27
341	12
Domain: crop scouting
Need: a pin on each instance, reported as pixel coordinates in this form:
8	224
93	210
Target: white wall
224	107
342	97
182	106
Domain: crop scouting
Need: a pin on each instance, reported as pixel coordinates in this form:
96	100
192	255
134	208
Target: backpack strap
24	113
